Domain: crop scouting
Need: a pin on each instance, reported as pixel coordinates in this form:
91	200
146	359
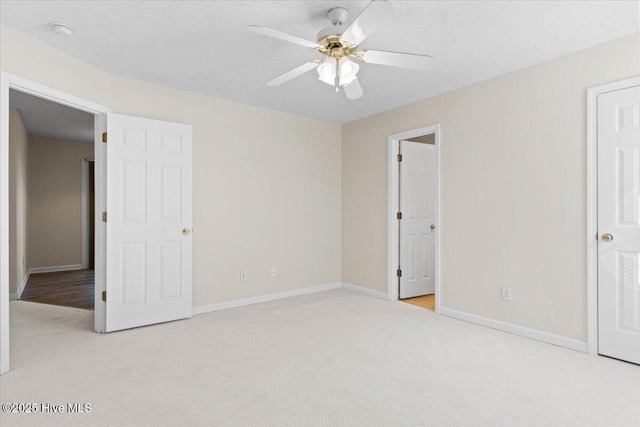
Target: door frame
85	211
592	204
10	81
392	228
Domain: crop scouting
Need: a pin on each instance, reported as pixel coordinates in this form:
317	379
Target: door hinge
399	157
104	296
104	217
399	215
399	273
104	137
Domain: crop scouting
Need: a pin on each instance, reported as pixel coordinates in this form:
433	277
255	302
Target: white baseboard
364	290
545	337
55	268
17	295
471	318
23	284
263	298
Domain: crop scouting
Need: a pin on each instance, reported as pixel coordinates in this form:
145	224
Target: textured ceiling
49	120
205	47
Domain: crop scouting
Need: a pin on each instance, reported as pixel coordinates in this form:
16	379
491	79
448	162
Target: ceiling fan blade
353	90
397	59
292	74
282	36
376	13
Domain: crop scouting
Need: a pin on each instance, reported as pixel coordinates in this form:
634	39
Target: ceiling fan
339	45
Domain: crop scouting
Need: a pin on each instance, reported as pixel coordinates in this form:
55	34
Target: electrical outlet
243	276
506	293
273	272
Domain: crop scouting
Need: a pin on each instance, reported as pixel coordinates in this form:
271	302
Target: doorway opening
414	232
150	197
51	150
12	84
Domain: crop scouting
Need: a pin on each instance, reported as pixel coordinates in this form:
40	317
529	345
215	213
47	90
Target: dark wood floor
67	288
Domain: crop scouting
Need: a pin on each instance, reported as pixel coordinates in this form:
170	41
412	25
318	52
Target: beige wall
266	191
30	58
55	202
266	183
18	184
513	207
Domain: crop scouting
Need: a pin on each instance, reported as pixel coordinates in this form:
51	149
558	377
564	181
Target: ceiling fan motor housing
332	45
330	39
333	30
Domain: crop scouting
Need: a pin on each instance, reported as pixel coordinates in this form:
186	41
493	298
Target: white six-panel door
417	201
149	240
619	224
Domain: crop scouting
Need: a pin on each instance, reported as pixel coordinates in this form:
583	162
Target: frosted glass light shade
347	70
327	71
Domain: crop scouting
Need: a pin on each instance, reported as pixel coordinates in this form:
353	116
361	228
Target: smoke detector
61	29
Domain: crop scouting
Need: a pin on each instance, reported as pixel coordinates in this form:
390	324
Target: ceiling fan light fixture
327	71
347	70
339	42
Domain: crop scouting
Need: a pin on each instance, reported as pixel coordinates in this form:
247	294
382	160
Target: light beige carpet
335	358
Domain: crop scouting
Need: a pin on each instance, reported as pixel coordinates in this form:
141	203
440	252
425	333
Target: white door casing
417	199
149	219
618	141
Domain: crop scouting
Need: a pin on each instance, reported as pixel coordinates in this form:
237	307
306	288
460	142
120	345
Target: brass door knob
607	237
186	231
433	226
